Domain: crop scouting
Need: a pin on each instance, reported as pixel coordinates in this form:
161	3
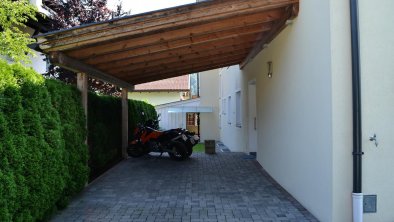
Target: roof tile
180	83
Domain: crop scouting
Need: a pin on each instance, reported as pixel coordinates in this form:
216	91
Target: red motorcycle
147	139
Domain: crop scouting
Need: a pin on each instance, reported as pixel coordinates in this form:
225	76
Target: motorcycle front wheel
189	148
178	152
135	150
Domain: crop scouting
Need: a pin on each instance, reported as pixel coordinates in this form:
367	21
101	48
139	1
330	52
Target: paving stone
224	187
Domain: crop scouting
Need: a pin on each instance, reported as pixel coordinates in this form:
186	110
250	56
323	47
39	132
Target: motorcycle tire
179	151
135	151
189	149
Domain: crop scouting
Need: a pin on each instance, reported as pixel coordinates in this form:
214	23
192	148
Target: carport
167	43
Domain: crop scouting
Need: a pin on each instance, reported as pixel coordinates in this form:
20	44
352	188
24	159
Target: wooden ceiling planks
180	63
180	72
214	52
223	28
172	45
175	41
192	52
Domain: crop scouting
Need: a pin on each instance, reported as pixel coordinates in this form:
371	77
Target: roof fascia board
94	34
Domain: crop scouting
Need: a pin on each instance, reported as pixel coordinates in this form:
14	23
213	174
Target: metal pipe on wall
357	121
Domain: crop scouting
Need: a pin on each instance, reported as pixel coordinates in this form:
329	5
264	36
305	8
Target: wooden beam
182	16
82	85
131	77
125	123
291	13
182	51
187	52
183	59
165	46
182	63
230	26
183	72
69	63
161	70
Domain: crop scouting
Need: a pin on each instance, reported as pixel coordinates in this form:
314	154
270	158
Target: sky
140	6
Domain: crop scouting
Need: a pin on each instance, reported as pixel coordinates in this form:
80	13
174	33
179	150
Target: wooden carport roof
170	42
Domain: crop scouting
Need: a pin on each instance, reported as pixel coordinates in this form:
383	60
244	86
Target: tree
70	13
13	41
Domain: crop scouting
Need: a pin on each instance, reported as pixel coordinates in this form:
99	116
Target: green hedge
42	152
136	108
67	101
105	132
43	156
105	129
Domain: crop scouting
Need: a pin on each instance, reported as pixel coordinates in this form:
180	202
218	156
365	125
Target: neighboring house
163	91
293	106
39	63
200	114
41	25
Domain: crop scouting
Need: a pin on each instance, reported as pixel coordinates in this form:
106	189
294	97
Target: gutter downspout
357	130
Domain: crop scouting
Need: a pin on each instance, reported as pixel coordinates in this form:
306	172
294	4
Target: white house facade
38	61
163	91
293	106
201	114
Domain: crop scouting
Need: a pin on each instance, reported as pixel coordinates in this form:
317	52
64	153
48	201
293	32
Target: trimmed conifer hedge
42	152
105	129
43	156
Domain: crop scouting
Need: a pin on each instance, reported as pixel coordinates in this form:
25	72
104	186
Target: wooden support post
82	84
125	123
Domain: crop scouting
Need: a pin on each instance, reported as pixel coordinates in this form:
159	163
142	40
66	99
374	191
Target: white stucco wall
305	110
230	134
209	96
377	77
342	130
294	108
156	98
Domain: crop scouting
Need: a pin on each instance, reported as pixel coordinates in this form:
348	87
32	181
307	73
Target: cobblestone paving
222	187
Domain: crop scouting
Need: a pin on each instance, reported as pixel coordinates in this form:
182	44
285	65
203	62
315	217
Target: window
238	117
194	85
191	119
224	106
229	110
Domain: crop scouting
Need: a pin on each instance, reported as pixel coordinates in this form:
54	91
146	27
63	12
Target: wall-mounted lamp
270	67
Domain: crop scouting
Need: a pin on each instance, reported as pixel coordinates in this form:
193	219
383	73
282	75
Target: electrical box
370	202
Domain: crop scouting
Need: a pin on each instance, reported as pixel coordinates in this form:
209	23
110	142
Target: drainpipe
357	137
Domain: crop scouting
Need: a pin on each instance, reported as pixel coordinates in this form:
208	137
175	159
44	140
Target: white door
252	117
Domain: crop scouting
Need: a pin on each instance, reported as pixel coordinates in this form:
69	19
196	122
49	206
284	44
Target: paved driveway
222	187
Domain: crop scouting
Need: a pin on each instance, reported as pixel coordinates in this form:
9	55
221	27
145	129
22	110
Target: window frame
229	108
238	109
